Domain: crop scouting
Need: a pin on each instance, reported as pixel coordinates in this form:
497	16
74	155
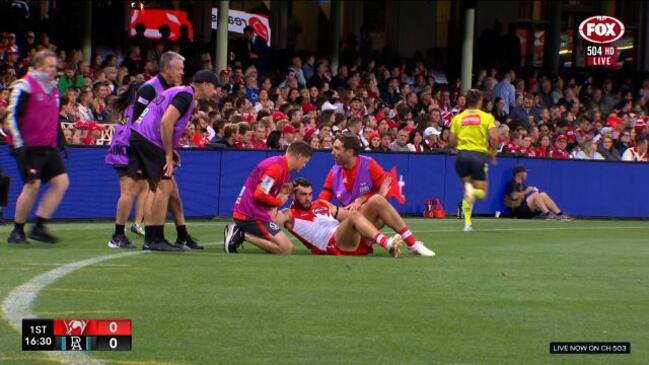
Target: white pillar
221	56
467	49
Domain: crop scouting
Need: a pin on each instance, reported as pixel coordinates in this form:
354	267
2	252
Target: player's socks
467	207
19	227
408	236
119	229
381	239
40	221
479	194
148	233
182	233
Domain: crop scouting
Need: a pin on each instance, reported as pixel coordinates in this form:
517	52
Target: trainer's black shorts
145	159
471	163
258	228
44	163
524	211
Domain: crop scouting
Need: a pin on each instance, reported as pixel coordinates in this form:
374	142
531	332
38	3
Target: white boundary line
19	303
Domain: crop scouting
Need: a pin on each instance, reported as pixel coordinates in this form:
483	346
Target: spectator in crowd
638	153
587	150
505	90
99	104
401	143
526	114
70	78
416	141
528	201
607	149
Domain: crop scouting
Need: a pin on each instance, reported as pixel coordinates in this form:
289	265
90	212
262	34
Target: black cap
206	76
519	168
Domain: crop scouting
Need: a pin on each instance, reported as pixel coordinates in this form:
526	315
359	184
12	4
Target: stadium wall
211	180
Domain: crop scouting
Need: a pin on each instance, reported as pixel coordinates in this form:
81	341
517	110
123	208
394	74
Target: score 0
114	335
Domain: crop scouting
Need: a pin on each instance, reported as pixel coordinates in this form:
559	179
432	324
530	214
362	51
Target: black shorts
42	163
258	228
145	159
471	163
125	171
524	211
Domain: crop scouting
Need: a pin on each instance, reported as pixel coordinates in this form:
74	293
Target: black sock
161	233
560	212
119	229
148	233
19	227
182	233
40	221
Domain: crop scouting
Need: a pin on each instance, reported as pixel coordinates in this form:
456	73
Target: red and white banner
153	19
237	20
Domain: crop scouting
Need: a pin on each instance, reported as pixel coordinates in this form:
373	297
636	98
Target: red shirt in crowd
559	154
376	173
259	145
542	151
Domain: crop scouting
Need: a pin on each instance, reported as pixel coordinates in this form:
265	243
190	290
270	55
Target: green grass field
499	295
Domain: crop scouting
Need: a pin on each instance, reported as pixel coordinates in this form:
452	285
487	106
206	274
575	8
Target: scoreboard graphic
77	335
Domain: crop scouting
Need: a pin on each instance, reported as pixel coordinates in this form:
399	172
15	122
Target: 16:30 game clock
77	335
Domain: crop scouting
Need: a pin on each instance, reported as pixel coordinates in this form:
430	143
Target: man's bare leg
349	232
280	243
379	211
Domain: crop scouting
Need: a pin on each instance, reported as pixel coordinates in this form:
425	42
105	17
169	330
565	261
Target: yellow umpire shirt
472	130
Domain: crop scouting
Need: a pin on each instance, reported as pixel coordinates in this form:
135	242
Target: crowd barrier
210	181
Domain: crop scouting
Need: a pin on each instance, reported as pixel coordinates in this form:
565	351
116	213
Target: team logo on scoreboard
75	327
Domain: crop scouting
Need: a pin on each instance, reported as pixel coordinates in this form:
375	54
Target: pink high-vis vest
39	125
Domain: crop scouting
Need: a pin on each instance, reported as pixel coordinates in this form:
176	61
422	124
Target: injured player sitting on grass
327	229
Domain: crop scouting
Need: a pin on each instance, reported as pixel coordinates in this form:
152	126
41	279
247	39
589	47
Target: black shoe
17	237
163	246
120	241
2	219
41	234
233	238
191	243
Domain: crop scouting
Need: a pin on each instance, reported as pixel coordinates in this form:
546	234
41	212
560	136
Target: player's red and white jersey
314	227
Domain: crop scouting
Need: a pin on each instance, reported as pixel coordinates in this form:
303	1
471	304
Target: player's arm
327	189
493	139
270	177
17	104
452	136
283	218
337	212
144	96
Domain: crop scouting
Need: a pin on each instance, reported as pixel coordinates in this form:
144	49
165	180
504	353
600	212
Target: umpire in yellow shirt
475	134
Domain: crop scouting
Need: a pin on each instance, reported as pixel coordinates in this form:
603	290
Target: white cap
431	131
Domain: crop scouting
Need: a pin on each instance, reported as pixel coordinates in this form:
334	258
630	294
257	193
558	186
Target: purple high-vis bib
362	185
148	125
39	124
246	204
117	155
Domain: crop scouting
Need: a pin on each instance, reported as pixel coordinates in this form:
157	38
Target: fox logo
75	327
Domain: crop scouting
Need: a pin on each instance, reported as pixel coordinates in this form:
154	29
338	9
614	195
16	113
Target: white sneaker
394	245
421	250
468	228
469	192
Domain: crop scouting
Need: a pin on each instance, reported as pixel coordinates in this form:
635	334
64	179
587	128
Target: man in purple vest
266	189
34	138
154	134
355	179
171	73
